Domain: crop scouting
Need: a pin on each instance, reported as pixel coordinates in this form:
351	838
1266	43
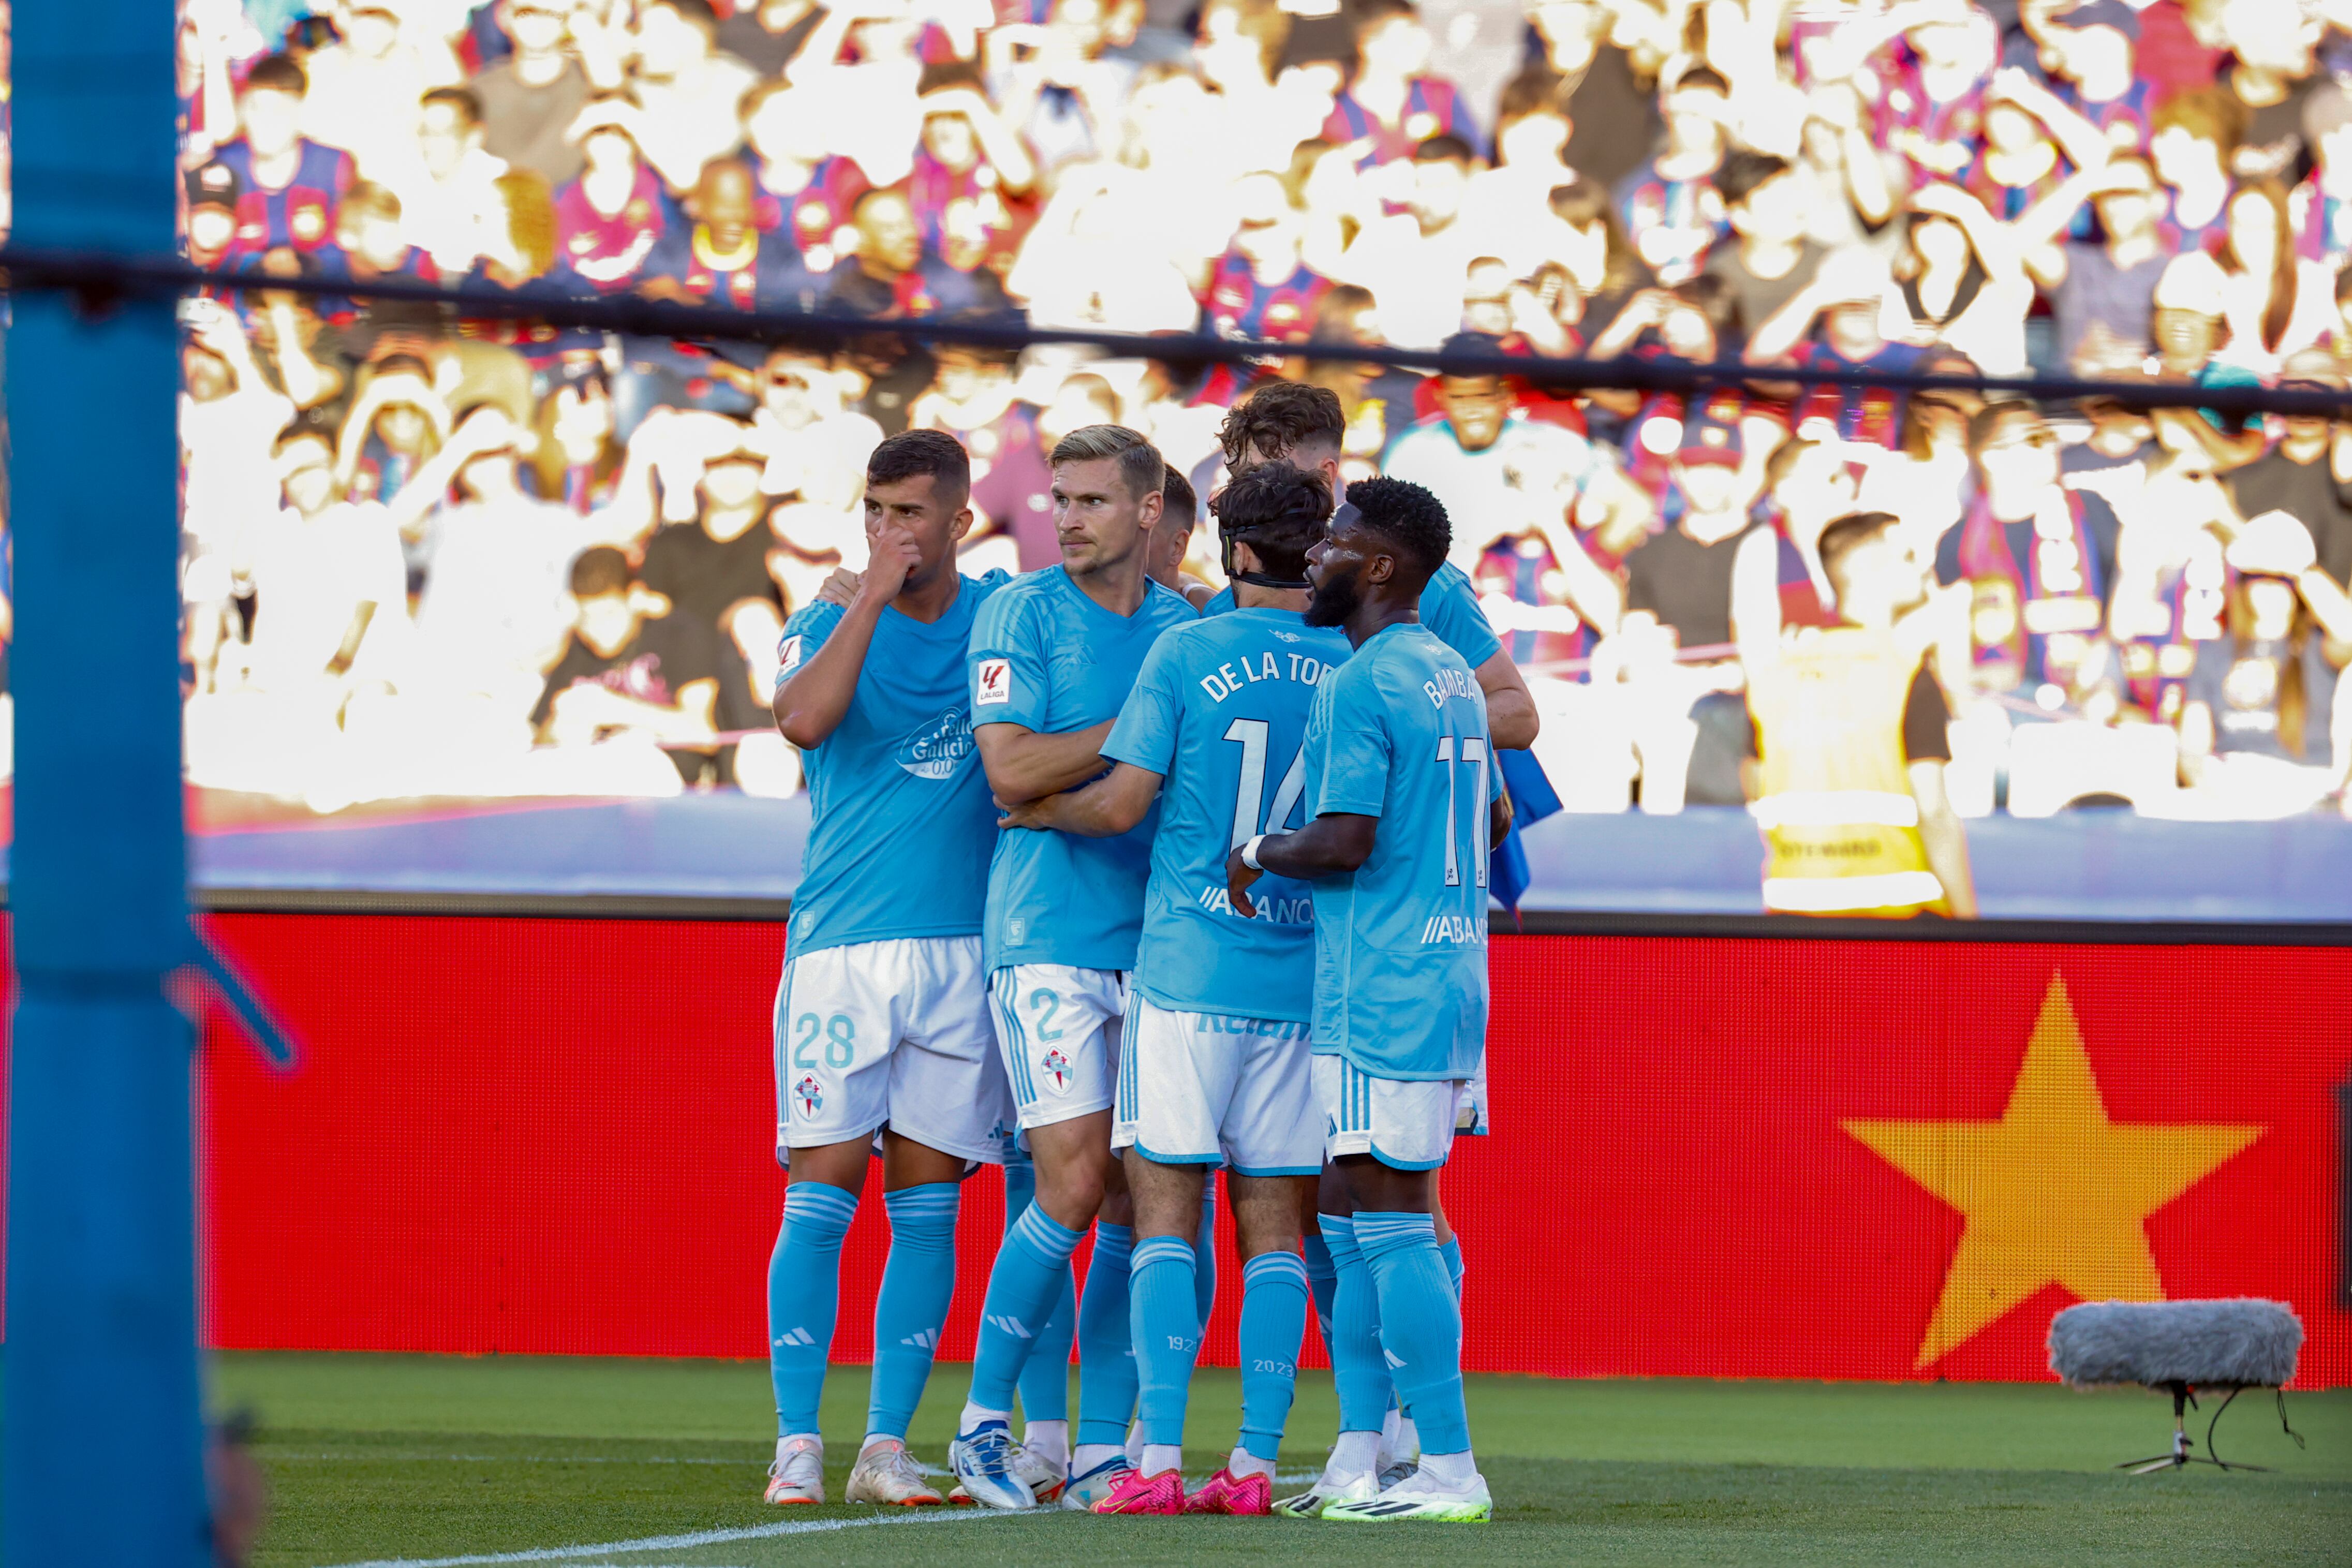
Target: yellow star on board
2054	1193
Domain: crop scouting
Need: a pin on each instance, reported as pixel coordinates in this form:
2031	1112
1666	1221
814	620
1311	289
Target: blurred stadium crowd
433	556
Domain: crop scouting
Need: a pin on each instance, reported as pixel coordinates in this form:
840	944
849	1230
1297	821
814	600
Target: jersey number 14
1249	792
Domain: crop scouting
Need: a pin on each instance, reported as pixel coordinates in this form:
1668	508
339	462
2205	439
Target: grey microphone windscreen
2244	1343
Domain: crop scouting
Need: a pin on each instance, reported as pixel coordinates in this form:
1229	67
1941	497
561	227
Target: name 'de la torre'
1225	680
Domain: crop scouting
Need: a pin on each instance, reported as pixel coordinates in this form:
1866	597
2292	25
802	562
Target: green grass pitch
644	1464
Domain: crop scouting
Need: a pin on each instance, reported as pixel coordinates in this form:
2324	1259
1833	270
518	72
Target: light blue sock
1166	1333
804	1296
1046	1380
1274	1321
1204	1252
1357	1367
918	1280
1450	1250
1322	1278
1031	1267
1421	1325
1020	1186
1106	1349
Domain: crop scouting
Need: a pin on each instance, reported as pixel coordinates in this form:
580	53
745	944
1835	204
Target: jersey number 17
1474	754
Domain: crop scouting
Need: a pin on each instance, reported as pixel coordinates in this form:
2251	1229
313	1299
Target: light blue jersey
903	822
1219	711
1449	606
1046	657
1398	732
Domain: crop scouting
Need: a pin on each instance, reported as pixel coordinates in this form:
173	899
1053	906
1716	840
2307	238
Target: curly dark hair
1278	419
1279	510
911	453
1407	517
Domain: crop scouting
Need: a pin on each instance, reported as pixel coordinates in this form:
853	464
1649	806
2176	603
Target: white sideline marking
370	1455
682	1543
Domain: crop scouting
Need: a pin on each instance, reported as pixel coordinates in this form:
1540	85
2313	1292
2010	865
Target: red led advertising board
1711	1156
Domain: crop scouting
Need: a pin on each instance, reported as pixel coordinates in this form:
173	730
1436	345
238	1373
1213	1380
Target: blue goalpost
101	1461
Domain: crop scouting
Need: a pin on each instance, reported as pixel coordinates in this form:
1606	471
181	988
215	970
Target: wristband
1249	853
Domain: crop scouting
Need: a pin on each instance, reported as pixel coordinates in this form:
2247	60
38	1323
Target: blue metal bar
100	1455
269	1035
30	268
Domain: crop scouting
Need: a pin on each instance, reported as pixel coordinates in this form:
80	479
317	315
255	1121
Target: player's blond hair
1140	466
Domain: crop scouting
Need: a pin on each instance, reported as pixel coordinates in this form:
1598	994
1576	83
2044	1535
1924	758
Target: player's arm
1024	764
1011	683
811	705
1510	707
1140	748
1104	809
1457	621
1332	845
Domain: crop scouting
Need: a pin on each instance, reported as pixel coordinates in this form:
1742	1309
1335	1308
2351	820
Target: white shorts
1059	1027
1471	1119
1206	1088
1407	1124
889	1033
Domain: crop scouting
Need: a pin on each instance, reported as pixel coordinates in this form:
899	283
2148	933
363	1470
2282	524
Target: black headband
1230	536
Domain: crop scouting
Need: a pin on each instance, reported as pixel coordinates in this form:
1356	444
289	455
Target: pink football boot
1134	1492
1225	1492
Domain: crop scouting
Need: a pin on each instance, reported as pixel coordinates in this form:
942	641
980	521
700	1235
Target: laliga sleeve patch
788	655
995	685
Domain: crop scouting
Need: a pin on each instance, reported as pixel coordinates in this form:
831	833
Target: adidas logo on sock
1395	1361
795	1337
922	1339
1009	1325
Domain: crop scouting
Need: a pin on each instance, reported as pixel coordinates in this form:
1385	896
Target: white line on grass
370	1455
683	1542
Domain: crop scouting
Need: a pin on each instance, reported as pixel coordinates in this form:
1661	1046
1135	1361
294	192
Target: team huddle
1115	891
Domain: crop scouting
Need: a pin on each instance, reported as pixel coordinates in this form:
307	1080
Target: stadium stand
385	505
